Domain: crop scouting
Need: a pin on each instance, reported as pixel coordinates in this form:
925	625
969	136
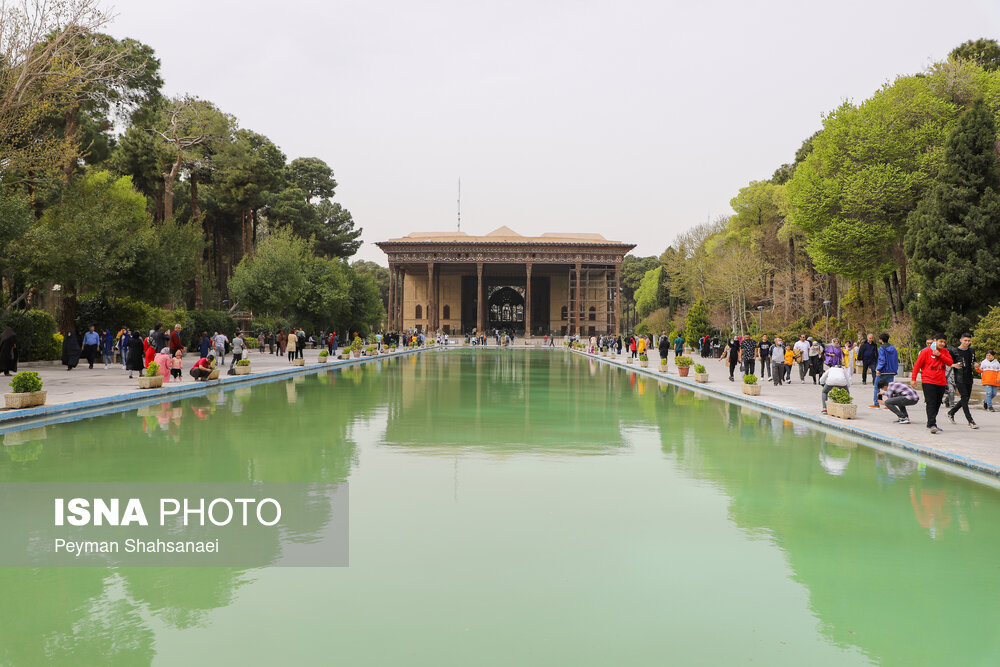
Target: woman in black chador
135	356
8	351
71	351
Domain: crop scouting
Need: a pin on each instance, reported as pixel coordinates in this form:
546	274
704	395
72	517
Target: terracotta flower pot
684	370
24	399
356	353
147	382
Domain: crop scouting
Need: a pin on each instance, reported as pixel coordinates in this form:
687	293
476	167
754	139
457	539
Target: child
789	360
990	368
175	366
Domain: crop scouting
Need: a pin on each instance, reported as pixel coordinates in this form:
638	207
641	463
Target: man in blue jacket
886	367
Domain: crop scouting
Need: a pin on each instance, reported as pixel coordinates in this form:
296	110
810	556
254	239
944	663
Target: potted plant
700	374
644	360
324	356
214	375
26	391
628	359
841	404
684	365
243	367
750	386
370	351
151	378
356	346
604	351
663	364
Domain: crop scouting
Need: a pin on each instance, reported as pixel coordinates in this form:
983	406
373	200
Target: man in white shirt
835	376
801	350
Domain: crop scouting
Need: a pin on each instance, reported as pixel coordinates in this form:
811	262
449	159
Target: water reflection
878	542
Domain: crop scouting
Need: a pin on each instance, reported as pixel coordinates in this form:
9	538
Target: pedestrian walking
815	360
801	352
107	349
930	366
990	368
963	367
833	355
776	355
91	345
748	348
177	366
204	345
292	343
868	354
789	362
732	355
8	351
70	351
135	359
175	340
764	354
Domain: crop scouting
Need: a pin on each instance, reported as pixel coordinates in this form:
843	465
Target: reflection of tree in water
861	544
93	615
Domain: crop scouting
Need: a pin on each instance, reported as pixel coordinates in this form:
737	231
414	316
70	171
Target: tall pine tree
952	239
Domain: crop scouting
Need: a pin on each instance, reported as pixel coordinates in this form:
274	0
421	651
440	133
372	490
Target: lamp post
826	305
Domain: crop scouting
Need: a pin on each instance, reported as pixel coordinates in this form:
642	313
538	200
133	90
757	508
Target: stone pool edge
839	425
15	420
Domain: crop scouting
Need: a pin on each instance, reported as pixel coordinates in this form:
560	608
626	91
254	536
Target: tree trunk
889	293
217	252
253	237
196	220
70	133
834	296
67	311
169	178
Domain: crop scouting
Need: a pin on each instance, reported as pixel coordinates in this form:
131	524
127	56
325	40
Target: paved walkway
957	443
83	387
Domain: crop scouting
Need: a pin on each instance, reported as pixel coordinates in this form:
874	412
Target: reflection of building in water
451	281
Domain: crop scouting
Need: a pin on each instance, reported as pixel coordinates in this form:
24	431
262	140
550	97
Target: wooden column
616	299
576	300
479	298
400	297
527	301
390	308
430	296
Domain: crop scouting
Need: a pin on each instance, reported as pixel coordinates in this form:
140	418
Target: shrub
153	369
643	357
683	362
211	321
663	361
840	395
34	329
25	382
251	341
987	333
749	378
54	350
326	353
243	362
358	345
698	368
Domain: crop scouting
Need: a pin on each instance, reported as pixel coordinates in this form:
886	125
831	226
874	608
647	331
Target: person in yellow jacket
642	345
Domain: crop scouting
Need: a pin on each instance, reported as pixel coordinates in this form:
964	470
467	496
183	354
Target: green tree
312	176
90	241
632	271
696	323
379	273
986	52
952	241
272	278
651	294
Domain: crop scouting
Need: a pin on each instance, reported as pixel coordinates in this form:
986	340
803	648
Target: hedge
35	330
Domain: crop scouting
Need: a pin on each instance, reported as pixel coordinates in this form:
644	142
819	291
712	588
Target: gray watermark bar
168	524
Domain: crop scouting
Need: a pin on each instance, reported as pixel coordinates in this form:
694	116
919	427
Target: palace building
559	284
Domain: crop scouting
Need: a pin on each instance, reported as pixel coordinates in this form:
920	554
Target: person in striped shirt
897	397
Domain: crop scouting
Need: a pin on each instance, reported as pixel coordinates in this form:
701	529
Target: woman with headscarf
8	351
204	345
70	351
149	351
162	358
135	361
107	348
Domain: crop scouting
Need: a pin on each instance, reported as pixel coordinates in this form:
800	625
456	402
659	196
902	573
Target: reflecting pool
515	507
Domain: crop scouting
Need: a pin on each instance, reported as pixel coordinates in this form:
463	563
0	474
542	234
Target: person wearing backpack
886	366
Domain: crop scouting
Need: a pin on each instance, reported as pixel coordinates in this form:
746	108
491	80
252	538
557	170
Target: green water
516	508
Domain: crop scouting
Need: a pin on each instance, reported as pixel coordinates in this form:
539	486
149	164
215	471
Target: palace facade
559	284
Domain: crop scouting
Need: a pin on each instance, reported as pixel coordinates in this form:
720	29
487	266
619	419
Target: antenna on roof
459	204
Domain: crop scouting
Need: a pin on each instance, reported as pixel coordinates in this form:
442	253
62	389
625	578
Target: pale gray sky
632	119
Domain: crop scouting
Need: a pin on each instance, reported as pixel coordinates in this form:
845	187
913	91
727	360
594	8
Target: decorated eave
581	245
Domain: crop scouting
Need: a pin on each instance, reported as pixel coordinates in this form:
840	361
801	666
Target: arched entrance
505	309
